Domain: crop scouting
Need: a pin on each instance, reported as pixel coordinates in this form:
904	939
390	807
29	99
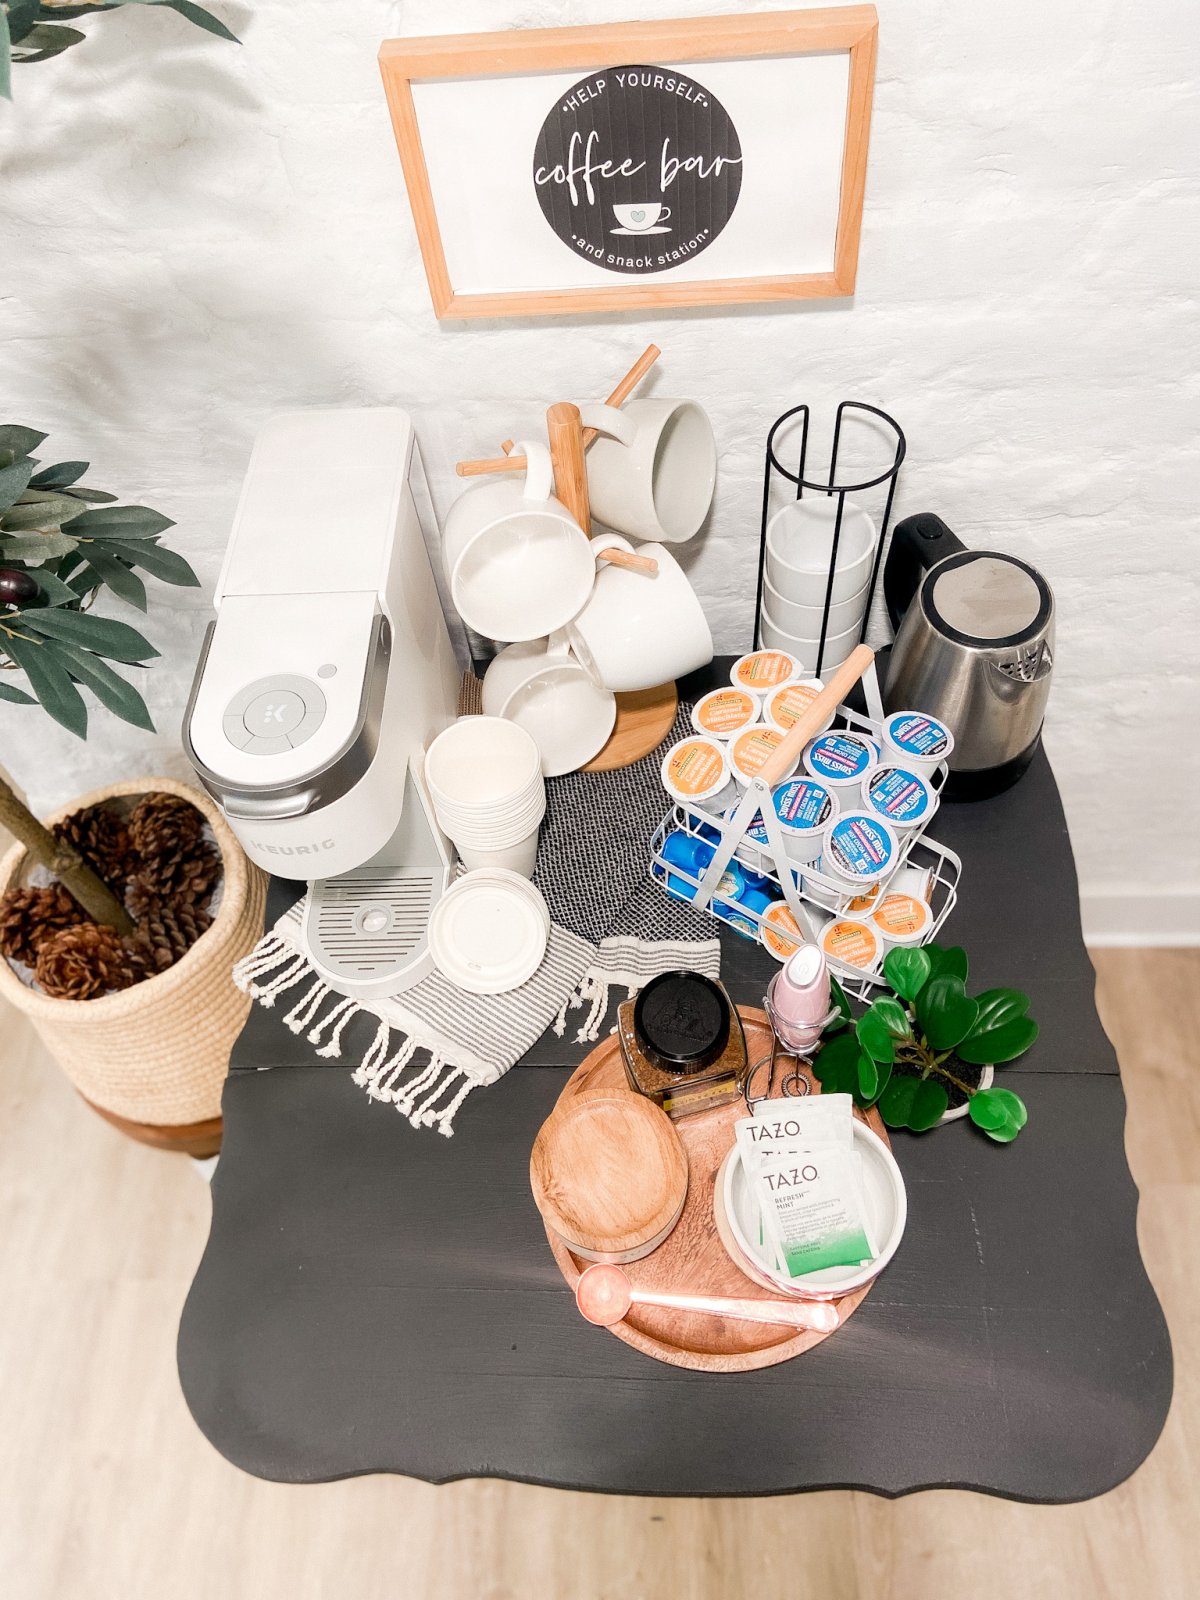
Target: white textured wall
194	235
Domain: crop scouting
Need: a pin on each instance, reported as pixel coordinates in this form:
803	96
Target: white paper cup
481	762
805	651
520	857
696	772
800	545
916	742
804	622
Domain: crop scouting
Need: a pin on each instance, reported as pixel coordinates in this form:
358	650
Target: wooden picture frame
436	61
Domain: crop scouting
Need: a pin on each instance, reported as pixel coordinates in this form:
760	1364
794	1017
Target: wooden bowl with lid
609	1175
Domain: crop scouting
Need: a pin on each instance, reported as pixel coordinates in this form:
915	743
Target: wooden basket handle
807	724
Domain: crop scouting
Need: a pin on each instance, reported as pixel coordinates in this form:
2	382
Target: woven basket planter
155	1054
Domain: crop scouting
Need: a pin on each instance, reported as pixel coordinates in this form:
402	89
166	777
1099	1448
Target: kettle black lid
986	598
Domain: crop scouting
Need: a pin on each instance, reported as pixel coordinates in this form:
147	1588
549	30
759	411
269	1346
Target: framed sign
695	162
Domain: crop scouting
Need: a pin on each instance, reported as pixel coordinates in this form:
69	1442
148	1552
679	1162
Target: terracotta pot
153	1058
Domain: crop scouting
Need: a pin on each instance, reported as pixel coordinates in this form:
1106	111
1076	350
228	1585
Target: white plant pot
985	1082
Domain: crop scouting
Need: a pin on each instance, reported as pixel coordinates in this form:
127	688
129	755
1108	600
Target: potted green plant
122	916
34	30
926	1053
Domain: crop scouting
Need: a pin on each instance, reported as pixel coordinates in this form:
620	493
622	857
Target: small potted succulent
120	918
926	1053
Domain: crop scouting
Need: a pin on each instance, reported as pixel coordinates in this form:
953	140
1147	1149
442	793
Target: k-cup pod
902	919
780	933
900	797
863	904
724	713
917	881
786	705
805	808
916	742
764	670
842	761
858	850
691	854
751	750
748	900
850	943
696	772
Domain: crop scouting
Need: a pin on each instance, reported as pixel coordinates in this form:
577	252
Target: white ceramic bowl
804	622
887	1210
800	545
837	646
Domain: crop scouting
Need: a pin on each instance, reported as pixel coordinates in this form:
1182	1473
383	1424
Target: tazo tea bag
812	1211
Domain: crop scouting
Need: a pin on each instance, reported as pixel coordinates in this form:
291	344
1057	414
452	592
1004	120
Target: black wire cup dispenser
817	612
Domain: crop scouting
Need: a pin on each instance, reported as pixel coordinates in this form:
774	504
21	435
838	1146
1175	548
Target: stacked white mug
796	576
484	776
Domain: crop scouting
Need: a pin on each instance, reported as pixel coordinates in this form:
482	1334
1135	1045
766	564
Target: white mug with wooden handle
652	470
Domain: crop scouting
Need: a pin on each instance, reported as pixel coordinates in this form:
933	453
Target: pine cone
167	931
103	840
84	961
176	862
28	917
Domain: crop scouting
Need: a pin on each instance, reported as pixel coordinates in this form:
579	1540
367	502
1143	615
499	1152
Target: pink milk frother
798	999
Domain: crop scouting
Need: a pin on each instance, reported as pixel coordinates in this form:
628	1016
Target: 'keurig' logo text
637	169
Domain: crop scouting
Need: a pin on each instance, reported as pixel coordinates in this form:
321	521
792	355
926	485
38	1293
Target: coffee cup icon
642	217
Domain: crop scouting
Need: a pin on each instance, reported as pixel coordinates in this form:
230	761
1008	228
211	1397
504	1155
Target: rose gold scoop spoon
605	1295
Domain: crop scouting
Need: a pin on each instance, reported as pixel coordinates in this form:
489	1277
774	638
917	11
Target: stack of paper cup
484	776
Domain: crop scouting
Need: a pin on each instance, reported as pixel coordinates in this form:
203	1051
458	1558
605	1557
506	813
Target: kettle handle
917	543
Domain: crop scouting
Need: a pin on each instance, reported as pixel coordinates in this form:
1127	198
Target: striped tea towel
609	925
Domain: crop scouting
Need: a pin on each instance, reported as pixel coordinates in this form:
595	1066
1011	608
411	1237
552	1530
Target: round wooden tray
692	1259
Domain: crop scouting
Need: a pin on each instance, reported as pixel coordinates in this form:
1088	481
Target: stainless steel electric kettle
974	647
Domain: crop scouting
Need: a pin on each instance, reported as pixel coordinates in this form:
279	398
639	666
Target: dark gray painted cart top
373	1299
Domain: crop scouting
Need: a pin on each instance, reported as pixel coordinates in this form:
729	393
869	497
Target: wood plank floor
107	1489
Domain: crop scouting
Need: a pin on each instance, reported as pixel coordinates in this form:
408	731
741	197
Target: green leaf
162	564
92	496
198	15
109	688
908	971
998	1006
14	480
60	475
842	1005
10	692
929	1105
868	1078
1000	1113
105	569
46	40
5	56
895	1102
16	442
950	963
104	635
34	547
120	522
945	1013
835	1065
880	1027
50	681
45	511
57	592
998	1045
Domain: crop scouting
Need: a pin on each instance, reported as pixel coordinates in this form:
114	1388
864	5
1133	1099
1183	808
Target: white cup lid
489	932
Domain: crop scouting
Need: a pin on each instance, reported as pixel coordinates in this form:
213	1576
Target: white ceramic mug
517	562
637	631
652	472
800	544
543	688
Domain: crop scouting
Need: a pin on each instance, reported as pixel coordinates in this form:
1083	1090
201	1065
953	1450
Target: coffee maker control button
236	731
275	713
